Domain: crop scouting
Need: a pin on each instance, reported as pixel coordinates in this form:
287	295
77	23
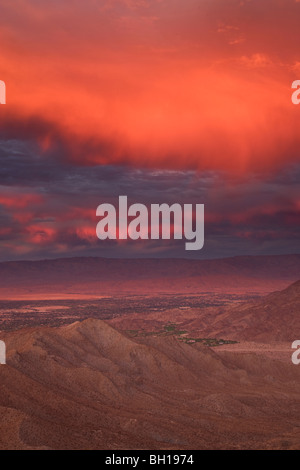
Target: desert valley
104	357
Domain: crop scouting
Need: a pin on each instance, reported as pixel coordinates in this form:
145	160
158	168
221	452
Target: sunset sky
160	100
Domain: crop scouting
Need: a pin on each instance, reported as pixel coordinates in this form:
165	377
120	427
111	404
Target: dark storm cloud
48	206
22	165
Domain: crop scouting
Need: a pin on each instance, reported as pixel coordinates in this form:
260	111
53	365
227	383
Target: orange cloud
39	234
19	201
156	84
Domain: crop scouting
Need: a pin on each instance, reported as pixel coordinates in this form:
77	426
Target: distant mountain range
101	276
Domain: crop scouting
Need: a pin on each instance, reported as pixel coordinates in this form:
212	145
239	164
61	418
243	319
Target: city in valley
92	365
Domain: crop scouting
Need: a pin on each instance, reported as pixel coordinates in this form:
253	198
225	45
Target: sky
160	100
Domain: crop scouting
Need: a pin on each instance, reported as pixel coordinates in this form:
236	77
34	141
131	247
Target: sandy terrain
272	318
45	295
149	381
88	386
277	351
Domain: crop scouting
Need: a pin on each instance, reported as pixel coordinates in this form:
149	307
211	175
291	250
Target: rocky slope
89	386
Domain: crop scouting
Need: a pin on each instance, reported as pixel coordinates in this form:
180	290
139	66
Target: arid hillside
88	386
275	317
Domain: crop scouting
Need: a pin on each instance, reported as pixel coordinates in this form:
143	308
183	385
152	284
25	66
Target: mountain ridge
89	386
270	318
100	276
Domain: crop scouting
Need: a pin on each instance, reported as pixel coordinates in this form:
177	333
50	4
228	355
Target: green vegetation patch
172	329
